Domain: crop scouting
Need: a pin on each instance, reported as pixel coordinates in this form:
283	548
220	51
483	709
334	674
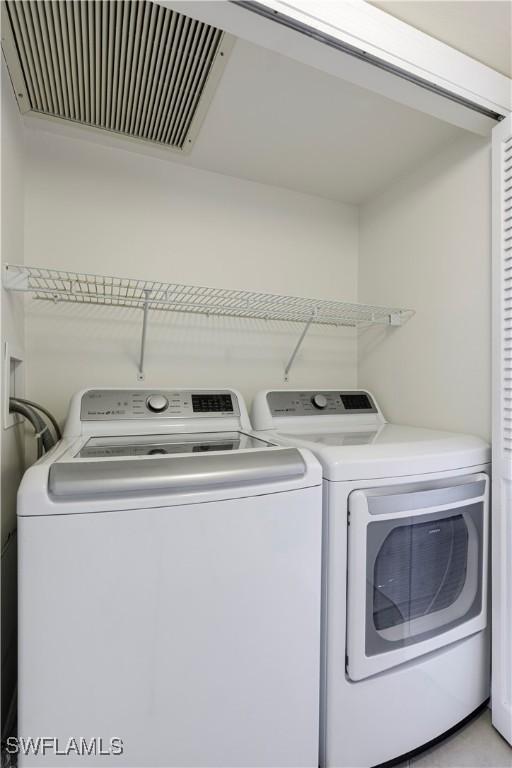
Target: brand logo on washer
435	530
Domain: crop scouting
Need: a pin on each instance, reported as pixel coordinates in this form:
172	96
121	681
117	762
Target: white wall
12	322
425	243
110	211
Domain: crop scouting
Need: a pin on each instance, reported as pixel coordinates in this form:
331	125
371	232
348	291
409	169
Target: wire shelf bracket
141	374
298	346
58	285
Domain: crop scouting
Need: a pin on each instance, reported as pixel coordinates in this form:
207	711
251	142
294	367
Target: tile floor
477	745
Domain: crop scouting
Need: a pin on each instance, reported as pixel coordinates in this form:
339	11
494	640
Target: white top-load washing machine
169	584
405	638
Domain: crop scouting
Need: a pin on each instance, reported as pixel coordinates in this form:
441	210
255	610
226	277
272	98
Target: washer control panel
313	403
119	404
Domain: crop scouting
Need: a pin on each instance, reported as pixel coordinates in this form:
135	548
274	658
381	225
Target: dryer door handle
411	501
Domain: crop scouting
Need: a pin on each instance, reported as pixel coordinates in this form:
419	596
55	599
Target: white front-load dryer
169	589
405	561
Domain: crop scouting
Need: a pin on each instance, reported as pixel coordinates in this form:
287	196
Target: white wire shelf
83	288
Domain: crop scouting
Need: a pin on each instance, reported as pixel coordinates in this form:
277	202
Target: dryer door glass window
420	569
423	576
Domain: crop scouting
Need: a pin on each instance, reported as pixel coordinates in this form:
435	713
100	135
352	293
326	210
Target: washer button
157	403
319	401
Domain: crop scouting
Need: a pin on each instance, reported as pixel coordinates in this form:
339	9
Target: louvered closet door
502	428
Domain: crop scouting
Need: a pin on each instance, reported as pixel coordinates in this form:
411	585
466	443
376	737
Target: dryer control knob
319	401
157	403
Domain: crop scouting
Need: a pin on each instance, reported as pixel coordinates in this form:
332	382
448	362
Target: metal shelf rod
264	313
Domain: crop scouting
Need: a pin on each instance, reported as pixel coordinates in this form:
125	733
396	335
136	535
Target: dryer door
417	573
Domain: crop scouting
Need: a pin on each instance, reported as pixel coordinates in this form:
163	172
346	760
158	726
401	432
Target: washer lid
391	450
120	446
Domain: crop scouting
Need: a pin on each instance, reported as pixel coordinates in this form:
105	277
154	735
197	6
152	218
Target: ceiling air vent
135	68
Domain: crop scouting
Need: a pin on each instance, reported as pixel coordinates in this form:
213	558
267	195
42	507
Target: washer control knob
157	403
319	401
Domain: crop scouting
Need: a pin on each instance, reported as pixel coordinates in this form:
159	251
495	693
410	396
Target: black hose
55	423
32	417
45	438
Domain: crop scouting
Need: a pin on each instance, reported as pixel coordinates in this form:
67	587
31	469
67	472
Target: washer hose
51	417
45	439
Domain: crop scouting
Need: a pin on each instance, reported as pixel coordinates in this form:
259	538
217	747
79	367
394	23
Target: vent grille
134	68
507	295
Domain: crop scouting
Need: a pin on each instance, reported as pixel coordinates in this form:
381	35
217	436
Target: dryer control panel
318	403
122	404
